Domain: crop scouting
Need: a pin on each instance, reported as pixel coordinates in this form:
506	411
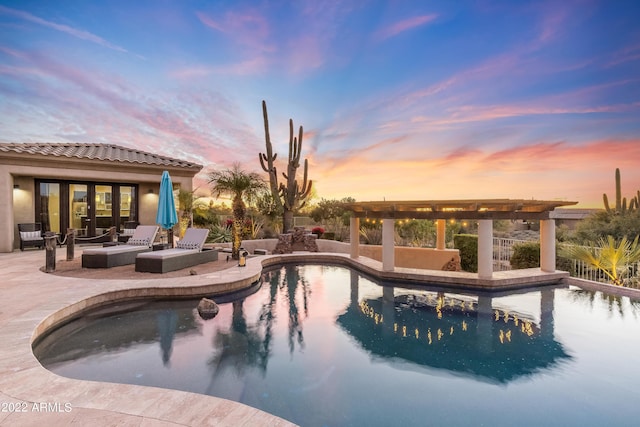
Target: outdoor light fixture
242	259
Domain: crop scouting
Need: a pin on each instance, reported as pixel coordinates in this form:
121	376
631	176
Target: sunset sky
399	99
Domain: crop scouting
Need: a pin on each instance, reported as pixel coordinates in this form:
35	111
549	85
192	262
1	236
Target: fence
503	249
583	270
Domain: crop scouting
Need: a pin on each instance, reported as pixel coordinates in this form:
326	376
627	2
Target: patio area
31	395
34	301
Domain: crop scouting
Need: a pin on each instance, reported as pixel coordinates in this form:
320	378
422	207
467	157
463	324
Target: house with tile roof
87	187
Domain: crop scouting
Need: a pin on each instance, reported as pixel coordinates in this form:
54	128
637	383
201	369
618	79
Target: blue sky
398	99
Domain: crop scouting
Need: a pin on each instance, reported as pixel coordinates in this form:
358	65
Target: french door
89	208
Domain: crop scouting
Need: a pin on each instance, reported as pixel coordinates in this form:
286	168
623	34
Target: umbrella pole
170	237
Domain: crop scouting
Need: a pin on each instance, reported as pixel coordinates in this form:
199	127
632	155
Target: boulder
207	309
452	265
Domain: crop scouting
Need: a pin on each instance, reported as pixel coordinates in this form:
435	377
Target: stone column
441	233
548	245
388	245
354	236
485	249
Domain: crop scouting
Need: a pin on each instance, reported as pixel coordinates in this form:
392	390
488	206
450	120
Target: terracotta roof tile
108	152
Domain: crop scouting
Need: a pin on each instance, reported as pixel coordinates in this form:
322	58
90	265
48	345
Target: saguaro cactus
621	202
292	195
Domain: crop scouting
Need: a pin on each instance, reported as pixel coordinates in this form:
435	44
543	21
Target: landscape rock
207	309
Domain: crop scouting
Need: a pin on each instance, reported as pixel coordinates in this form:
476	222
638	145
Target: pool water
325	346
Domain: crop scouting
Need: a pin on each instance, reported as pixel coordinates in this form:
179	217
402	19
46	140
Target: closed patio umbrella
167	216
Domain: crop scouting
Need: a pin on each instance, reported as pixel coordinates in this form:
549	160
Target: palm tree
186	200
241	186
610	258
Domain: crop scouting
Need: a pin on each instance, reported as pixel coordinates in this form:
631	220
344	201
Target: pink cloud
404	25
250	28
74	32
551	170
252	66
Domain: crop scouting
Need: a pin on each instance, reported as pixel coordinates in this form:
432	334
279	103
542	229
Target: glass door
79	210
50	206
103	209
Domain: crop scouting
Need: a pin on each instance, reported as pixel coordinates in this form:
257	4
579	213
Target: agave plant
608	256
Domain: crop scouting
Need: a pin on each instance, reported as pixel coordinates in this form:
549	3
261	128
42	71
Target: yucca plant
608	256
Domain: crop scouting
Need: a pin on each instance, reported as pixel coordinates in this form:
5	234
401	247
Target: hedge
525	255
467	244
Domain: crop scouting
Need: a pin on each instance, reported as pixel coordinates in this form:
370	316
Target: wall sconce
150	191
16	186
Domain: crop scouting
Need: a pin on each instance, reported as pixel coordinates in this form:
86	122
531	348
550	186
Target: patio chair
31	235
112	256
188	252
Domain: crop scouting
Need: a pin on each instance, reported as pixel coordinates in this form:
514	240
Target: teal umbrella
167	216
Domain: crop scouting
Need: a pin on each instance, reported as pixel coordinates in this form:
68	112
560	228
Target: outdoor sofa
112	256
188	252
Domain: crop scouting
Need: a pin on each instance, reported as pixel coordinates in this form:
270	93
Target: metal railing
584	270
502	251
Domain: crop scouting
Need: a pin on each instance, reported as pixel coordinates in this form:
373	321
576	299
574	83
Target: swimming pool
326	346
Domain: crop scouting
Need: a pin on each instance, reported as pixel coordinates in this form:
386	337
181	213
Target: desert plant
417	233
602	224
621	202
239	185
608	256
333	214
219	234
293	195
371	236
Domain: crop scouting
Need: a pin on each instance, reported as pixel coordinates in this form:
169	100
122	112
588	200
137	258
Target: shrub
467	244
525	255
330	235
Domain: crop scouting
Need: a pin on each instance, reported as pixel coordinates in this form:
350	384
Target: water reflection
457	333
321	345
167	324
614	303
116	329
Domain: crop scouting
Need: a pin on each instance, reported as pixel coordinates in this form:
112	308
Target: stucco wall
18	206
425	258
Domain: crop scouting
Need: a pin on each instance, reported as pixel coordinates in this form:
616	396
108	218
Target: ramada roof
108	152
457	209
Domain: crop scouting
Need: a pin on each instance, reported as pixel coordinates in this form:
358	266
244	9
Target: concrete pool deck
33	302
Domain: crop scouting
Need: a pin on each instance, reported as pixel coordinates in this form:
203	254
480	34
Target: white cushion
30	235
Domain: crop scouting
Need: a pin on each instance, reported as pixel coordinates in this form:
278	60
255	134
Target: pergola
485	211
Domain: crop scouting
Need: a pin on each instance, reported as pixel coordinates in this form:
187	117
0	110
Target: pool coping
34	302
